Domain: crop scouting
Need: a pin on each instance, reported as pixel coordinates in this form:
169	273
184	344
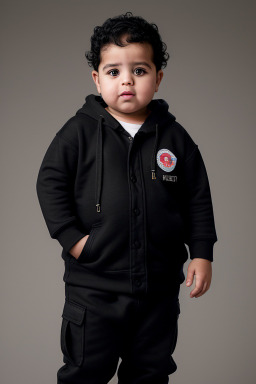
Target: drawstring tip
98	207
153	175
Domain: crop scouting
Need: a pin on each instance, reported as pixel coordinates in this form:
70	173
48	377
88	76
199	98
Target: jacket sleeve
199	218
54	188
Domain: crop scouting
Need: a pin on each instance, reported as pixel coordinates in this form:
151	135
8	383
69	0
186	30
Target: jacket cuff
202	249
69	237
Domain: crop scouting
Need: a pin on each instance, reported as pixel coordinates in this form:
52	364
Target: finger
203	290
198	288
190	278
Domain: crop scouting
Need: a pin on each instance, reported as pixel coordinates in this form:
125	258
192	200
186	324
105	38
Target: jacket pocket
86	251
72	333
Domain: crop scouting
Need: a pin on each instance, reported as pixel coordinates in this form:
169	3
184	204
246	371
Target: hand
77	248
202	268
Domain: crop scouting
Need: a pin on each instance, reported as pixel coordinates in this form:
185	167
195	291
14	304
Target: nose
127	79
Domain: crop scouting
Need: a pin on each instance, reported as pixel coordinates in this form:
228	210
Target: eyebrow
118	64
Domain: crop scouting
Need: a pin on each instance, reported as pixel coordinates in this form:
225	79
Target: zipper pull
153	174
98	207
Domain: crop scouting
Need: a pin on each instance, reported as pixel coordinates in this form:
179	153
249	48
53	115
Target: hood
94	107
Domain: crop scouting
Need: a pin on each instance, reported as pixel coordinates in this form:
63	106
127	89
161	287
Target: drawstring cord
153	159
99	163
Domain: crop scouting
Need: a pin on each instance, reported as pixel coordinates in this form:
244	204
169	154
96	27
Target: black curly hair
137	29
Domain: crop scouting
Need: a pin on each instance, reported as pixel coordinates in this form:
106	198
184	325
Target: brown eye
140	71
112	70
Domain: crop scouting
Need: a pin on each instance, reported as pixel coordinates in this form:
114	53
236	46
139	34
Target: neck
130	119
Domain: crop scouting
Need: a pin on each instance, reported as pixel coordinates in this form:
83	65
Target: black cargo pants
99	327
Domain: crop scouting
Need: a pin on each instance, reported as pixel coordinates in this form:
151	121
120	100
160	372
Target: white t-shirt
130	127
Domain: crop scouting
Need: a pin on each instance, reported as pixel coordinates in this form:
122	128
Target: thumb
190	277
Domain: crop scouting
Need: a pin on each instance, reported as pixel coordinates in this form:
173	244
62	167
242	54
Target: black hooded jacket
140	199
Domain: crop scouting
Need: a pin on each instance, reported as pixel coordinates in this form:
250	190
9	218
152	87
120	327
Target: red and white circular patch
166	160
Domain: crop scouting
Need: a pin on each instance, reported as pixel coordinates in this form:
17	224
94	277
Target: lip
127	93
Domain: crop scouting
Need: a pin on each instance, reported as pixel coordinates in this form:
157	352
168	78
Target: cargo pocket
86	251
72	333
178	308
175	333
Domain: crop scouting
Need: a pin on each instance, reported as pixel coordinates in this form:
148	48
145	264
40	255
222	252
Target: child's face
128	68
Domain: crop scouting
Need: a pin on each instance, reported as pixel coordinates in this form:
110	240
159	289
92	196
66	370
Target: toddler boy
123	188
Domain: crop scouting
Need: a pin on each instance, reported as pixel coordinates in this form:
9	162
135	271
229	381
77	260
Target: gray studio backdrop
209	83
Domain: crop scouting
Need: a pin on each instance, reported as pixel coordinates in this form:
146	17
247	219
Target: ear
95	77
159	77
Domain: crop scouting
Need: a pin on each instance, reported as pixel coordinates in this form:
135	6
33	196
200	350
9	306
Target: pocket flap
73	312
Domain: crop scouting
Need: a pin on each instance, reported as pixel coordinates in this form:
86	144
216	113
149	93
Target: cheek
149	86
147	91
107	86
